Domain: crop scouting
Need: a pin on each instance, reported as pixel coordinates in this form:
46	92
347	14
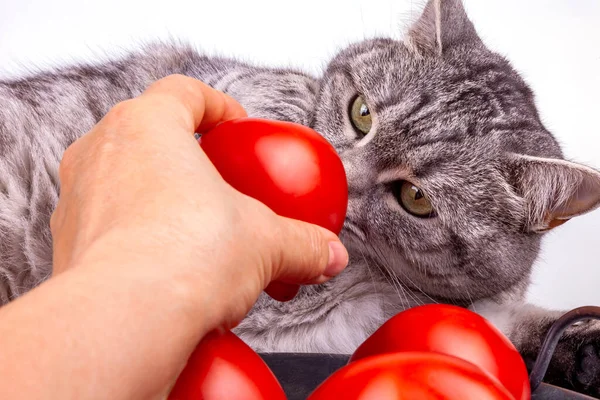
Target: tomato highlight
288	167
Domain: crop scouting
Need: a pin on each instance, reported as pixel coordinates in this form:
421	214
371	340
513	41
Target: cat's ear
443	24
554	190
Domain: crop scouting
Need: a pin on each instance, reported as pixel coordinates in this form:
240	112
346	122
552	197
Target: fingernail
338	259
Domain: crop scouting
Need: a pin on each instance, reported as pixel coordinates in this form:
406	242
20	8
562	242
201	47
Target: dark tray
301	373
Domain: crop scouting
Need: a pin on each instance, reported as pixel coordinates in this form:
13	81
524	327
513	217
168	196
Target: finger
305	253
198	105
232	110
282	291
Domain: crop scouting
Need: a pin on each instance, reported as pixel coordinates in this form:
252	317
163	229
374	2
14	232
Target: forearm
79	336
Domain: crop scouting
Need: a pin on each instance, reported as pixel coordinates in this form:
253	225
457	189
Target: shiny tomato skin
223	367
410	376
454	331
288	167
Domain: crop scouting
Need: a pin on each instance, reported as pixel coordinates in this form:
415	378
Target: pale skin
152	250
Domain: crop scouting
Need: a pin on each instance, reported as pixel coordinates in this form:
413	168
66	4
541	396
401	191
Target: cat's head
452	176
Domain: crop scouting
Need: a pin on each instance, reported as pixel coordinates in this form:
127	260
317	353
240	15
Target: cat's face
432	134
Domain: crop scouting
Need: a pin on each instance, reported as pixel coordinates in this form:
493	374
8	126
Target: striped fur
449	115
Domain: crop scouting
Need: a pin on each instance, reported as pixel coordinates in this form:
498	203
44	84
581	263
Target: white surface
554	43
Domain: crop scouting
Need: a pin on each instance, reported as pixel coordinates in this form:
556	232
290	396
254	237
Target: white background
555	44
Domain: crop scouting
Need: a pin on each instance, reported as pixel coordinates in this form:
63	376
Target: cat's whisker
414	285
396	287
472	304
370	271
395	272
387	278
399	291
415	298
392	275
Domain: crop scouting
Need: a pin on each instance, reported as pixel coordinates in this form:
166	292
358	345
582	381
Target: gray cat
453	181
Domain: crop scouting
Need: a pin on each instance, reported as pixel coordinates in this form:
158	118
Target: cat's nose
359	175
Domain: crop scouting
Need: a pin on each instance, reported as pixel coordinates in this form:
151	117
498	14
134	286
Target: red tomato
288	167
409	376
454	331
223	367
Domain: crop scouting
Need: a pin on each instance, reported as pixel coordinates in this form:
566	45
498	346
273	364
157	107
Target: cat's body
448	115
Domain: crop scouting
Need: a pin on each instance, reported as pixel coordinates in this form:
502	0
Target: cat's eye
413	199
360	115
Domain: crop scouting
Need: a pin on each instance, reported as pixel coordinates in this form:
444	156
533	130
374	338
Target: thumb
304	253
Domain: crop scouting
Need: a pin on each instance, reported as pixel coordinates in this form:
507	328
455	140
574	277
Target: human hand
139	195
152	250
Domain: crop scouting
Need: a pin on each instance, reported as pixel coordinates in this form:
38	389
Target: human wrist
121	333
155	276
